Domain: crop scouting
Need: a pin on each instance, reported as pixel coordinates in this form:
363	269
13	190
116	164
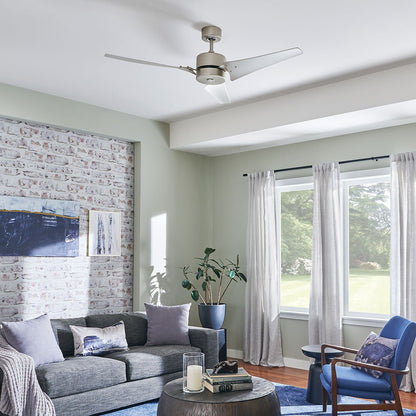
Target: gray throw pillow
34	337
167	324
97	341
376	350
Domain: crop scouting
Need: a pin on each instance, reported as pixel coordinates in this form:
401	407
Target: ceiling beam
382	88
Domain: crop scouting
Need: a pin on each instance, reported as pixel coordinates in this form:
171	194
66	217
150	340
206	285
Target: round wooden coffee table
262	400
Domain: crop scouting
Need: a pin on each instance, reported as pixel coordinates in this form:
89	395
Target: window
366	217
296	213
367	246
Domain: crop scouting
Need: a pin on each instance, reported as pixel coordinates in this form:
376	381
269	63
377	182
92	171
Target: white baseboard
296	363
289	362
235	353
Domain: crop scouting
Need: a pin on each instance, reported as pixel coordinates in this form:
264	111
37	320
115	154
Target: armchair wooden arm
337	347
369	366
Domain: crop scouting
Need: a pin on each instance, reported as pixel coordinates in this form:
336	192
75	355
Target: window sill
297	315
346	320
364	321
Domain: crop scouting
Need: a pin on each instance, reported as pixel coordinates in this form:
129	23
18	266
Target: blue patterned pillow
376	350
97	341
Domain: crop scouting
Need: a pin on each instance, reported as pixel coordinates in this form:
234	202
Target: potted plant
215	278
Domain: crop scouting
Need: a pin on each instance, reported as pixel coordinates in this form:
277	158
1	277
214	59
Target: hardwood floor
299	378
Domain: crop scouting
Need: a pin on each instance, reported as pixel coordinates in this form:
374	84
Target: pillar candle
194	377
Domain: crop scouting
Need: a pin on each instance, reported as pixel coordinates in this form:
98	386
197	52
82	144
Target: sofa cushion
79	374
33	337
135	325
63	333
152	361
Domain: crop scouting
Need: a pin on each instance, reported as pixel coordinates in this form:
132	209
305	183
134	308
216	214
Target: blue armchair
347	381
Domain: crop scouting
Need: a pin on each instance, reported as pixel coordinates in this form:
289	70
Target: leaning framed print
104	233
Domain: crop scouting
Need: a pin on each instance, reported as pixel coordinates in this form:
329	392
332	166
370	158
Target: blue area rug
292	402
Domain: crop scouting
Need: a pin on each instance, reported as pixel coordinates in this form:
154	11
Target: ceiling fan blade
139	61
239	68
219	92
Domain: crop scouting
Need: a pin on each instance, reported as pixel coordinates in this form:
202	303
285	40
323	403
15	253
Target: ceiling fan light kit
212	66
209	68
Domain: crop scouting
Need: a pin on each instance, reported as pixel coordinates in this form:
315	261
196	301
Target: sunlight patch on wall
158	256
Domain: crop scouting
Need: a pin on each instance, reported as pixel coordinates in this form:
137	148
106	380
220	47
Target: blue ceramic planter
211	316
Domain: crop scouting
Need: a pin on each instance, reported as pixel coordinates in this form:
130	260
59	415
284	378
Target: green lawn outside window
368	291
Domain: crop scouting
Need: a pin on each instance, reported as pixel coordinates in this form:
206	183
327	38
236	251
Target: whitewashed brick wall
45	162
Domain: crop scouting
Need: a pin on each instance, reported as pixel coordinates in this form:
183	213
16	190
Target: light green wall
295	336
166	181
205	199
172	183
230	209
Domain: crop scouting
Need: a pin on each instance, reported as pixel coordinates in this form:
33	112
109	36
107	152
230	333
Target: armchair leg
396	394
334	401
324	399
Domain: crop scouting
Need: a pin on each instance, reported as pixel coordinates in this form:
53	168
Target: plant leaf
242	276
186	284
209	251
195	295
219	263
204	286
231	274
199	273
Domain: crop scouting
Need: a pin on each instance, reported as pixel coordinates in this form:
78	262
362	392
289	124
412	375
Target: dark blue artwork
38	227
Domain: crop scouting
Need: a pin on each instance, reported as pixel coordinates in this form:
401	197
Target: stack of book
222	383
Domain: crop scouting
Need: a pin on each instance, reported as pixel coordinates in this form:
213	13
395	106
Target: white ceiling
57	47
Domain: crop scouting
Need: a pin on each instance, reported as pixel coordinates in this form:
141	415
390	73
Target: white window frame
347	179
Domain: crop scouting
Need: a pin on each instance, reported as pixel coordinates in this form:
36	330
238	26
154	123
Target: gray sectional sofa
82	386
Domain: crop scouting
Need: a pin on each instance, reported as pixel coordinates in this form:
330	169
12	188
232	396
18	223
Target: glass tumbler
193	369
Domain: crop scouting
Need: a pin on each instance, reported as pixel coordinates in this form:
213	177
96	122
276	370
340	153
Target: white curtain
262	339
325	304
403	246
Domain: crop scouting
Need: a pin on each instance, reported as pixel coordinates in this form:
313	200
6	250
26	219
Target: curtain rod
342	162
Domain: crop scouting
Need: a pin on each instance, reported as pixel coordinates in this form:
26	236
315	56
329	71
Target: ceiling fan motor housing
208	68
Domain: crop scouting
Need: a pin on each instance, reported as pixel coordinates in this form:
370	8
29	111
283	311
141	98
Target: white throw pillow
96	341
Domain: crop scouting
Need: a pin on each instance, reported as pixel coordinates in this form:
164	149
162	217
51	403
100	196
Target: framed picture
38	227
104	233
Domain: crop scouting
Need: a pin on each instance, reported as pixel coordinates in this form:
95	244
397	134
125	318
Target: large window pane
296	247
369	248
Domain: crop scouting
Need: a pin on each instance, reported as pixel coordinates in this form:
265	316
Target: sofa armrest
207	340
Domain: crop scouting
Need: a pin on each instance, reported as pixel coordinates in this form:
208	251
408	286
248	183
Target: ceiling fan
211	66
